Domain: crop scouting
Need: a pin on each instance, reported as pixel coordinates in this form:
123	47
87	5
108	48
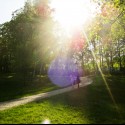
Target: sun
72	14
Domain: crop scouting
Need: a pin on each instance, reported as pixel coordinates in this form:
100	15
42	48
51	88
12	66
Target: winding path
21	101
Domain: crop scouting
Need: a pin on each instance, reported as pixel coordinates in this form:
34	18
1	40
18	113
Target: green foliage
28	38
106	34
28	42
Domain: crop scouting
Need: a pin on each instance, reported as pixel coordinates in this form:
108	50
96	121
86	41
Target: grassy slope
91	104
12	86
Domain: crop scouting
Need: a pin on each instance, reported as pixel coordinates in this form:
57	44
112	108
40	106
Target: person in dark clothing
78	80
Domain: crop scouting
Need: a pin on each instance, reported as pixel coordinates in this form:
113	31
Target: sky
7	7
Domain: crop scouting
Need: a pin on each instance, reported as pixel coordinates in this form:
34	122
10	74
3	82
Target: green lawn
91	104
14	86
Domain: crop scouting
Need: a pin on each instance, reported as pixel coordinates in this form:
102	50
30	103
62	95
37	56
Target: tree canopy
29	43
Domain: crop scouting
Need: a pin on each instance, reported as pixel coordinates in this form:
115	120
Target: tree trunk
120	60
111	61
82	60
34	71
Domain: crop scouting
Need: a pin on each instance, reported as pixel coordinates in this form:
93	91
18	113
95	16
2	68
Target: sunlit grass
91	104
103	77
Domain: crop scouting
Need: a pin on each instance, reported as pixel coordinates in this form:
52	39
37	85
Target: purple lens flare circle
63	71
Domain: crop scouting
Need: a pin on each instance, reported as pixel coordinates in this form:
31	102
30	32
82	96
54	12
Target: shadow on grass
92	102
14	86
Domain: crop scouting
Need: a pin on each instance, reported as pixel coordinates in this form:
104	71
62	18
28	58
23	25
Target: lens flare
106	83
63	71
46	121
77	41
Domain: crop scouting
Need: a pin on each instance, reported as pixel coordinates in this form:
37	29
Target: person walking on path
78	80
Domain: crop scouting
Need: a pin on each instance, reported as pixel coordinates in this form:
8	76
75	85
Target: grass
91	104
14	86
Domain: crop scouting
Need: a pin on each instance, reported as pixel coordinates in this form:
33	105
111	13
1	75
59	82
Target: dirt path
21	101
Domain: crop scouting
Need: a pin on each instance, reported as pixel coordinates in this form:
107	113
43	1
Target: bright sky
7	7
73	14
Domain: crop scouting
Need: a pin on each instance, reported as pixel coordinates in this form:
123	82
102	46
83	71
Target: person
78	80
